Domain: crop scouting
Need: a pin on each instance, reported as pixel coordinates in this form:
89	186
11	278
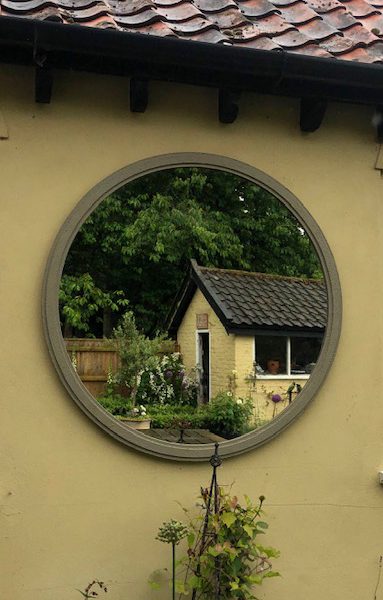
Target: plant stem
174	570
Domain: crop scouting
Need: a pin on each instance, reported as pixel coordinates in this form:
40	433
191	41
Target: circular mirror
189	300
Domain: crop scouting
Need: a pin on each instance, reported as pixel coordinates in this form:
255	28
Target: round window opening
190	299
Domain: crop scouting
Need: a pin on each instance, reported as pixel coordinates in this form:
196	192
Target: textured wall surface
77	505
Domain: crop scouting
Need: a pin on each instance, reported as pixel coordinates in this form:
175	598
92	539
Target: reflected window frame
288	374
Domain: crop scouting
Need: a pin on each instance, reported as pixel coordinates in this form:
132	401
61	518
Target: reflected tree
136	246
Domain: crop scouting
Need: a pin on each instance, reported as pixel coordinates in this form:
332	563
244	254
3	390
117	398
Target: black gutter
278	331
25	41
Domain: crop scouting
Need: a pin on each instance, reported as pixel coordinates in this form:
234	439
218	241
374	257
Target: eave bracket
228	105
4	133
377	121
43	80
139	94
311	113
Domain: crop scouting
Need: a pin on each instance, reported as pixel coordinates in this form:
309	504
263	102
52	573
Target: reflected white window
282	355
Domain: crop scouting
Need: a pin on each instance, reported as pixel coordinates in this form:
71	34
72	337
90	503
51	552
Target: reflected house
250	333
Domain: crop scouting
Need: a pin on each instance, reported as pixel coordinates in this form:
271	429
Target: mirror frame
55	341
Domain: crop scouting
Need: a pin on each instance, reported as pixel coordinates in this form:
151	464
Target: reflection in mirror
193	306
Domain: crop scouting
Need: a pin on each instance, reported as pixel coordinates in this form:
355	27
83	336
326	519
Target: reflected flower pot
138	424
273	366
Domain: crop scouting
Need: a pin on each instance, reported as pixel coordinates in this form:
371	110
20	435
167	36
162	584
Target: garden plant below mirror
224	559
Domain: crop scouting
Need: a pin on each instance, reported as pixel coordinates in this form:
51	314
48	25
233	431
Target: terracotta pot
273	366
137	424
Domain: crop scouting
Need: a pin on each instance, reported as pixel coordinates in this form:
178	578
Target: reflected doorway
203	362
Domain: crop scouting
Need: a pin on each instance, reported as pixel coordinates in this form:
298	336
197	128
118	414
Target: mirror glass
193	305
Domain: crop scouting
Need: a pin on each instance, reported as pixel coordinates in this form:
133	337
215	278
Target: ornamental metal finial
216	460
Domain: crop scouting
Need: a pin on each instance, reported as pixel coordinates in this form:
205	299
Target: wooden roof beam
139	94
312	112
43	80
228	108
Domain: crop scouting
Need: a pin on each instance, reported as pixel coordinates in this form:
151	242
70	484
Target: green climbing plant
225	558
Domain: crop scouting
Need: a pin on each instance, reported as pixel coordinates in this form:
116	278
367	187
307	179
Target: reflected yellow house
254	334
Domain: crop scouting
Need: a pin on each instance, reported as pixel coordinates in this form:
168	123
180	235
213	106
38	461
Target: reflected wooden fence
93	360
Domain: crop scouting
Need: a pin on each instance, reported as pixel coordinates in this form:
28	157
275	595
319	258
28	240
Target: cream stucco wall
77	505
263	389
244	359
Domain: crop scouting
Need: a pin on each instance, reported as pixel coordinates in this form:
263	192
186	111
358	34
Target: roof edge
194	280
210	295
260	275
73	46
180	305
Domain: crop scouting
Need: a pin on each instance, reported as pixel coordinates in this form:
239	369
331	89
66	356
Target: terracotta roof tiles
343	29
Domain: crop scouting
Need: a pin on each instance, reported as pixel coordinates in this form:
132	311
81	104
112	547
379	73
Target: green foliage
229	416
163	380
141	238
232	556
172	532
116	404
225	415
136	351
224	557
167	416
80	299
147	375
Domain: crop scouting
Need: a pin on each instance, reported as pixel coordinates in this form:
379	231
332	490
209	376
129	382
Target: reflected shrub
229	416
136	351
163	381
150	372
167	416
116	404
225	415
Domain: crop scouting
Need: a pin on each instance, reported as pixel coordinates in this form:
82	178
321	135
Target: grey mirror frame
60	356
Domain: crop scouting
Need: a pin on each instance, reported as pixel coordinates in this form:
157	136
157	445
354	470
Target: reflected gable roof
248	302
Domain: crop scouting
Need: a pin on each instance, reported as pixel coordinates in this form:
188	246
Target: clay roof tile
257	8
339	19
360	8
297	13
343	29
317	30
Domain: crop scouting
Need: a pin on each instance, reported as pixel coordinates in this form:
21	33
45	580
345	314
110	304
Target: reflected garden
192	305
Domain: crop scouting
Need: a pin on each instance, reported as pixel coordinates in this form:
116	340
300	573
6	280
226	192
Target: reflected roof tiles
348	30
257	300
246	302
